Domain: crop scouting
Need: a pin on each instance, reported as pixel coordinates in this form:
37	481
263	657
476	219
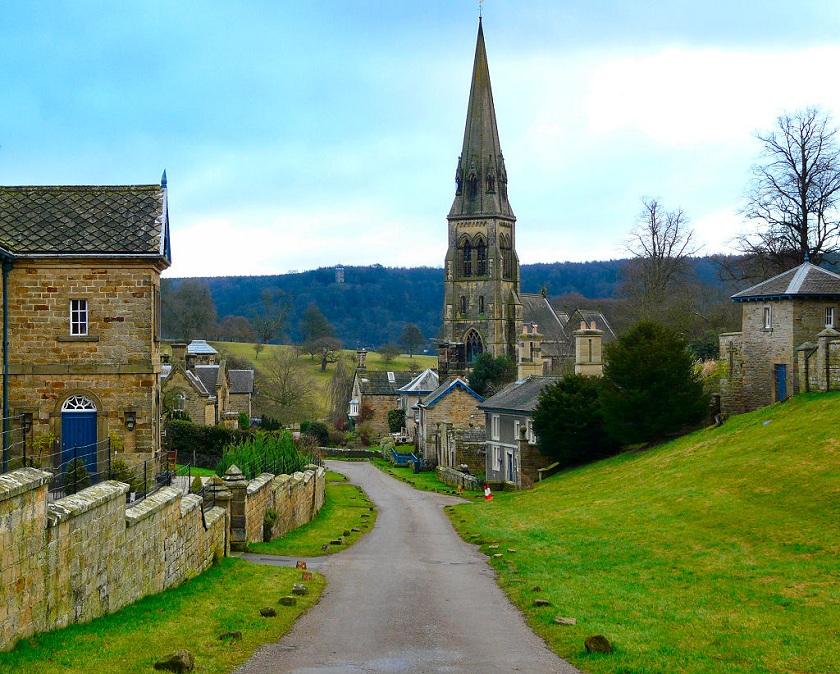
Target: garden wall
455	478
295	498
86	555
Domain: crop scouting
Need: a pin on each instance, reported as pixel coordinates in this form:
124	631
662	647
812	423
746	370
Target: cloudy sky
304	134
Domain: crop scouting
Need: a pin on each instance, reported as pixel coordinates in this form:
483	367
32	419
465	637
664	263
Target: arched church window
466	258
481	258
472	183
463	304
475	347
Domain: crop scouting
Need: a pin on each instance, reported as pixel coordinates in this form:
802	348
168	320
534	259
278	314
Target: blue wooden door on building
781	382
78	438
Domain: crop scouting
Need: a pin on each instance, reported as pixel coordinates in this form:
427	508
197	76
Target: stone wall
295	498
381	405
455	478
87	555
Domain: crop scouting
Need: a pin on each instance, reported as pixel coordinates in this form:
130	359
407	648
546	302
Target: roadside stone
288	601
346	532
299	589
268	612
179	661
336	541
306	575
597	643
355	529
497	555
511	550
225	636
371	508
364	515
542	602
301	564
536	588
561	620
495	546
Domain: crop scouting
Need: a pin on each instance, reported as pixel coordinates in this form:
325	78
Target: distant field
374	362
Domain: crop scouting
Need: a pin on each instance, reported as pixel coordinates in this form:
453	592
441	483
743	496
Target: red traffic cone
488	495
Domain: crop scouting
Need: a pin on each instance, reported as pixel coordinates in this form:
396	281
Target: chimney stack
361	354
179	354
588	350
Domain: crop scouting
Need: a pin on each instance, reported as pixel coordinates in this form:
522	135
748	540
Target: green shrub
396	420
490	374
269	519
651	386
197	485
337	438
265	453
76	477
202	445
317	430
569	422
270	423
122	472
243	421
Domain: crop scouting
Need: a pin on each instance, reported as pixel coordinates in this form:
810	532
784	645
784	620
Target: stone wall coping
731	334
21	480
215	513
259	482
281	479
150	505
190	502
87	499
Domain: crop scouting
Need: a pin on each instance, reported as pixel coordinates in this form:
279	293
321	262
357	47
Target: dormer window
78	318
829	317
768	318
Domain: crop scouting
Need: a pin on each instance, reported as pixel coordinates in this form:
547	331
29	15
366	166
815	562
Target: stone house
81	298
785	344
460	447
376	393
512	457
452	406
410	396
197	382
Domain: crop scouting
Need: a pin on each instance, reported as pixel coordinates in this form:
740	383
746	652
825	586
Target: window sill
77	338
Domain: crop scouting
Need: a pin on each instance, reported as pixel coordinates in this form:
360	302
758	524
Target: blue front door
78	439
781	382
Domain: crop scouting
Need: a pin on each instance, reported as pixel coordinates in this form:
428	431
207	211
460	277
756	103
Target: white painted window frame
767	317
79	317
495	423
829	317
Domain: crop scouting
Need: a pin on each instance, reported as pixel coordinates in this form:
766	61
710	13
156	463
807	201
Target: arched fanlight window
481	258
77	403
475	347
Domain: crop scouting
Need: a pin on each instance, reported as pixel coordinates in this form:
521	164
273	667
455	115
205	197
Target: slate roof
208	375
445	389
85	221
590	315
806	280
200	347
376	383
425	382
241	381
537	309
520	396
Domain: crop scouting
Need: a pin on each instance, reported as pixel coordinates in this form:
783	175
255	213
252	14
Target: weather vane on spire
480	6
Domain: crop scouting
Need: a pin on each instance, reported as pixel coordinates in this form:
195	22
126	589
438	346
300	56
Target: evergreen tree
651	386
490	374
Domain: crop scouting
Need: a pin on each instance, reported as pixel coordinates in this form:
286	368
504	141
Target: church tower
482	311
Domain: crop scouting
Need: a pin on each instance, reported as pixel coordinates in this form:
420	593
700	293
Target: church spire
481	178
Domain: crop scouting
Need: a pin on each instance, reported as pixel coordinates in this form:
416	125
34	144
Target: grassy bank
425	481
713	553
225	598
346	507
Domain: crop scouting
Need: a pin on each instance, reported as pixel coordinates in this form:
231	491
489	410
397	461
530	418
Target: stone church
484	308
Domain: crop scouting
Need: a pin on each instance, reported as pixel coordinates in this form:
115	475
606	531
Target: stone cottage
375	394
410	396
452	406
197	382
81	297
787	324
512	456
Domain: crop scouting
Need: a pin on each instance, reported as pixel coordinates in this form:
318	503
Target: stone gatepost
824	340
237	485
221	498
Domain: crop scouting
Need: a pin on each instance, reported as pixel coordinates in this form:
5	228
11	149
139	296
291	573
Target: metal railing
16	438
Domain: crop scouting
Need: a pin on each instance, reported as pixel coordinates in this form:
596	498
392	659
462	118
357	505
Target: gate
781	382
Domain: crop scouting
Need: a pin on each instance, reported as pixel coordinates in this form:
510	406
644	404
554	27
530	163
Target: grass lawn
195	470
374	362
717	552
343	510
404	449
425	481
224	598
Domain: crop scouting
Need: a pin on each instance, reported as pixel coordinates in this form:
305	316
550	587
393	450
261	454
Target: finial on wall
163	179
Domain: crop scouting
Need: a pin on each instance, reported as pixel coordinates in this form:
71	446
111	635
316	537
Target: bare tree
340	391
794	193
286	389
268	322
660	245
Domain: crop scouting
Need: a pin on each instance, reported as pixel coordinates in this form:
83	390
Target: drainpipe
7	267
